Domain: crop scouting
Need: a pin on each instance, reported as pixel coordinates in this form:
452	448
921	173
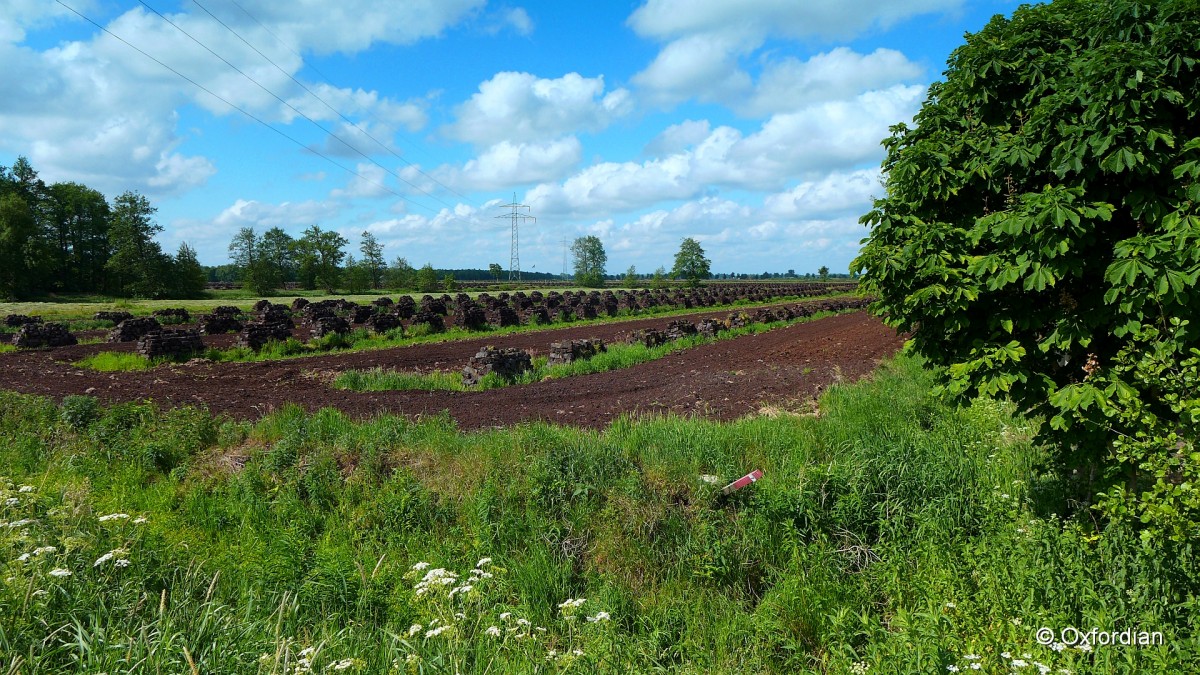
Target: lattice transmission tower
514	259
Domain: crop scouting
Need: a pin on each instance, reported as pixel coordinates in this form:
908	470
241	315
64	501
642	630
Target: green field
889	534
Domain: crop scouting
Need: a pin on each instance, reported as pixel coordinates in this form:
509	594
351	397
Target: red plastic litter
742	482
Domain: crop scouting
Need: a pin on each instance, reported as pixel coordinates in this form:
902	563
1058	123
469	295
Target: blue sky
752	126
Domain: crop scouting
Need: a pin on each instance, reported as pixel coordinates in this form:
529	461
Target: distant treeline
68	238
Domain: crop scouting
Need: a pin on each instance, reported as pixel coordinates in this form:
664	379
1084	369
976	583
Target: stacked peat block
382	322
522	302
261	305
322	326
433	305
504	316
738	320
173	343
382	301
764	315
362	313
43	335
320	310
470	316
114	317
272	314
509	363
537	315
406	307
172	315
651	337
564	314
257	334
677	330
709	327
132	330
434	321
570	350
18	320
224	319
299	304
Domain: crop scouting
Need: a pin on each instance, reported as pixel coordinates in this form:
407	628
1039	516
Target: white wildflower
504	616
123	562
113	516
494	631
21	523
420	566
12	501
523	622
414	629
950	605
25	488
971	657
139	520
436	631
483	561
571	604
103	559
1018	663
343	664
1042	668
1058	646
976	666
44	549
600	616
578	652
952	668
1085	647
60	572
23	557
307	651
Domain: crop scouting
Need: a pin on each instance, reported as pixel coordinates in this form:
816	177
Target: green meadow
890	533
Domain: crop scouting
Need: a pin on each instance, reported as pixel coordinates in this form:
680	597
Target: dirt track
722	380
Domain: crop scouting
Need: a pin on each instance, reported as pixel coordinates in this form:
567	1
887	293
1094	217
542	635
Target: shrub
1040	228
78	412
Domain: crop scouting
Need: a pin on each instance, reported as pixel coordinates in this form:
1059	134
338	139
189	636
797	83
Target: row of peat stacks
511	362
270	321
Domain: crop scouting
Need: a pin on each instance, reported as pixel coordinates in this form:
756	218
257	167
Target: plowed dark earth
723	380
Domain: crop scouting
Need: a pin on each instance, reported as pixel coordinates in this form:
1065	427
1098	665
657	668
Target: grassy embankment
890	534
615	357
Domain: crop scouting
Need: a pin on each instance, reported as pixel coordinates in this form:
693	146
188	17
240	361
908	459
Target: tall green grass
889	534
108	362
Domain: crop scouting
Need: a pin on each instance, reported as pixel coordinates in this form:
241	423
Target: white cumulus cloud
520	107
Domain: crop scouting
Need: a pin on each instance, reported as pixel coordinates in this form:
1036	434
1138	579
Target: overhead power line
233	105
330	107
294	108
